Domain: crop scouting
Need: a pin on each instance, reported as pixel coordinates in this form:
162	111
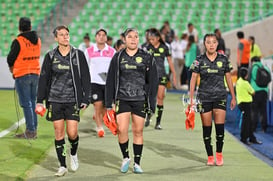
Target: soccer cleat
148	120
61	172
125	165
210	161
74	162
219	159
137	169
158	127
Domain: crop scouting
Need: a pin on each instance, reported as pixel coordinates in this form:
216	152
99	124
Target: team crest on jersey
219	64
138	59
161	50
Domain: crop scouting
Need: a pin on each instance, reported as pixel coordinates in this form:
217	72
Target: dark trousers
189	74
259	109
184	76
247	122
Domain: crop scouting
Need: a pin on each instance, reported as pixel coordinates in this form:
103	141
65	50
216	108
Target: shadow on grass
168	150
99	158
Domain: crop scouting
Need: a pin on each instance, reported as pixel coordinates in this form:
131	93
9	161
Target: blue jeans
26	88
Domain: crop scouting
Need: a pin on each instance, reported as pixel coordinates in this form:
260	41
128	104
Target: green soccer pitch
173	153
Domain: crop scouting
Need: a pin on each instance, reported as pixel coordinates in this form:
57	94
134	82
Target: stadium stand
12	10
206	15
116	15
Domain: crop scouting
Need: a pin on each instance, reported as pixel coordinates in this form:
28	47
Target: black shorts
135	107
97	92
163	80
66	111
209	106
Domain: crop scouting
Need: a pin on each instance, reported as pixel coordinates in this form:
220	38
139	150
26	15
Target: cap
99	30
24	24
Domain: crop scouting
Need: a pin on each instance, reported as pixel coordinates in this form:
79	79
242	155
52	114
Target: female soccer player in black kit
65	86
132	85
160	51
212	68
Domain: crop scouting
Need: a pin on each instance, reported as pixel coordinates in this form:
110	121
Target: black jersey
160	54
212	73
62	89
132	76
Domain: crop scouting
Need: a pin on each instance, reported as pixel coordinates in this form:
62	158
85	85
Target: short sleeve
241	46
250	90
167	51
195	66
228	66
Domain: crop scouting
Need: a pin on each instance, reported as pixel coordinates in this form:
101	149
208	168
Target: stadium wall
261	30
6	79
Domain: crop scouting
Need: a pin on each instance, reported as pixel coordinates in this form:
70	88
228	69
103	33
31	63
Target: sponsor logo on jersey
123	60
138	59
212	71
127	66
56	60
63	67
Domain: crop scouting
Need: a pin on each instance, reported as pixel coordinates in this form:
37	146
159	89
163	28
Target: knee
72	135
138	133
59	134
122	131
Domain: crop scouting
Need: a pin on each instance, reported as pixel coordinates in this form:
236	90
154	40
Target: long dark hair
190	42
253	42
156	33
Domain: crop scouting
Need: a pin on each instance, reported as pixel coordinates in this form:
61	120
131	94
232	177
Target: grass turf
170	154
17	156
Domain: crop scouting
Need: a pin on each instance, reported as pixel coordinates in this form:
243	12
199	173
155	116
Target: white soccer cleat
125	165
74	162
61	172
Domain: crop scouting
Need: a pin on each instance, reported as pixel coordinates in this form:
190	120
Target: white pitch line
13	127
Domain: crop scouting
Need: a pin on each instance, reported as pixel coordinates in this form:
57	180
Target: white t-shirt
82	46
194	33
177	48
98	62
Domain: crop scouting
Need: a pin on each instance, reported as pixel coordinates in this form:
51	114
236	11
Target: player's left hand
232	103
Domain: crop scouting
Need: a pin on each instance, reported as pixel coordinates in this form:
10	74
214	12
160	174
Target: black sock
207	139
220	134
61	151
137	152
159	114
124	149
74	145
